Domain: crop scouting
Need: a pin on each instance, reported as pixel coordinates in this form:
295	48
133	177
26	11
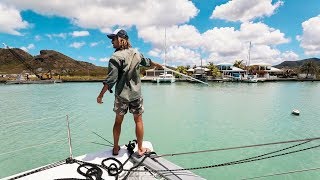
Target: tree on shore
181	69
214	70
309	68
239	64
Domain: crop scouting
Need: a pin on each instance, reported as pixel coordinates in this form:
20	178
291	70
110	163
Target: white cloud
228	44
93	44
80	33
37	37
155	52
105	59
184	35
60	35
186	44
101	14
245	10
310	39
92	58
262	34
178	55
77	45
225	44
11	20
30	46
290	56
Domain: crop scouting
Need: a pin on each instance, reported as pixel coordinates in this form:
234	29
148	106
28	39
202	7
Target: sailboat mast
165	48
249	52
165	45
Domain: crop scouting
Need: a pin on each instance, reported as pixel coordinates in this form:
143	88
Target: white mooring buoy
296	112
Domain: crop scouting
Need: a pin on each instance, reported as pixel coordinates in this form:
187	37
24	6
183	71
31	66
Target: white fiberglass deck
70	171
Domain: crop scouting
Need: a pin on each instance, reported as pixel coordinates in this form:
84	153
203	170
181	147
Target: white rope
29	147
283	173
30	121
185	75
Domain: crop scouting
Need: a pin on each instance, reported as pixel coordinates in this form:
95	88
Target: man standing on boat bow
124	73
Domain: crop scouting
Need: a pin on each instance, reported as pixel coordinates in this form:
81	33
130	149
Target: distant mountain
296	64
47	60
10	64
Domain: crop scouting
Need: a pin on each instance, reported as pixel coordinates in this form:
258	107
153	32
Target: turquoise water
180	117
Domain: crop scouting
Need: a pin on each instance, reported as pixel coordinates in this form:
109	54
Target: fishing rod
164	67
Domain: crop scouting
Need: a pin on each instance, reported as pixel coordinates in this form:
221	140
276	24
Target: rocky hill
296	64
46	61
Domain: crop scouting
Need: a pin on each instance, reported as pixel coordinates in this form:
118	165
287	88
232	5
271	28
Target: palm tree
181	69
214	70
239	64
309	67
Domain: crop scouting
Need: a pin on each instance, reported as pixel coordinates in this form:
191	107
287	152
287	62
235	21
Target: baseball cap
120	33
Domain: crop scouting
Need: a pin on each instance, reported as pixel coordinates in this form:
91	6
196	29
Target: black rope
254	157
92	171
239	147
115	167
139	164
235	162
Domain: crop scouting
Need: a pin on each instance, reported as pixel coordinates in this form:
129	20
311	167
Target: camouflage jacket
124	72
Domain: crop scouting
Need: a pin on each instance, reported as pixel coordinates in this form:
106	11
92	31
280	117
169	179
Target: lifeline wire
238	147
235	162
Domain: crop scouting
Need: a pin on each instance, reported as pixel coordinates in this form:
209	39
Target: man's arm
103	90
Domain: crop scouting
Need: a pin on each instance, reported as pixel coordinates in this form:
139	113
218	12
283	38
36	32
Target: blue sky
212	31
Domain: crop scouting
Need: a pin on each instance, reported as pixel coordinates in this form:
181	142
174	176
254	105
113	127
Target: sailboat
250	78
165	77
199	73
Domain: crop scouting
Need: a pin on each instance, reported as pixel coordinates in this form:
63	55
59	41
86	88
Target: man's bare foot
142	151
115	150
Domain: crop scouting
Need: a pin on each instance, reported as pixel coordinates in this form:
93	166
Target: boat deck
97	165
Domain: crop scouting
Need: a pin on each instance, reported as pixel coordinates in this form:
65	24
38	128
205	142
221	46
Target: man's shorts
135	107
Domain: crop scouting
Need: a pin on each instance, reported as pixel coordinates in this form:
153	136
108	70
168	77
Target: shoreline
183	80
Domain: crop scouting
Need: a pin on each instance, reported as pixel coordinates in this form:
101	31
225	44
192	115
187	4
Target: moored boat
164	78
250	79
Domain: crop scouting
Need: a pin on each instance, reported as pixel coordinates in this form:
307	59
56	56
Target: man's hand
99	99
103	90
